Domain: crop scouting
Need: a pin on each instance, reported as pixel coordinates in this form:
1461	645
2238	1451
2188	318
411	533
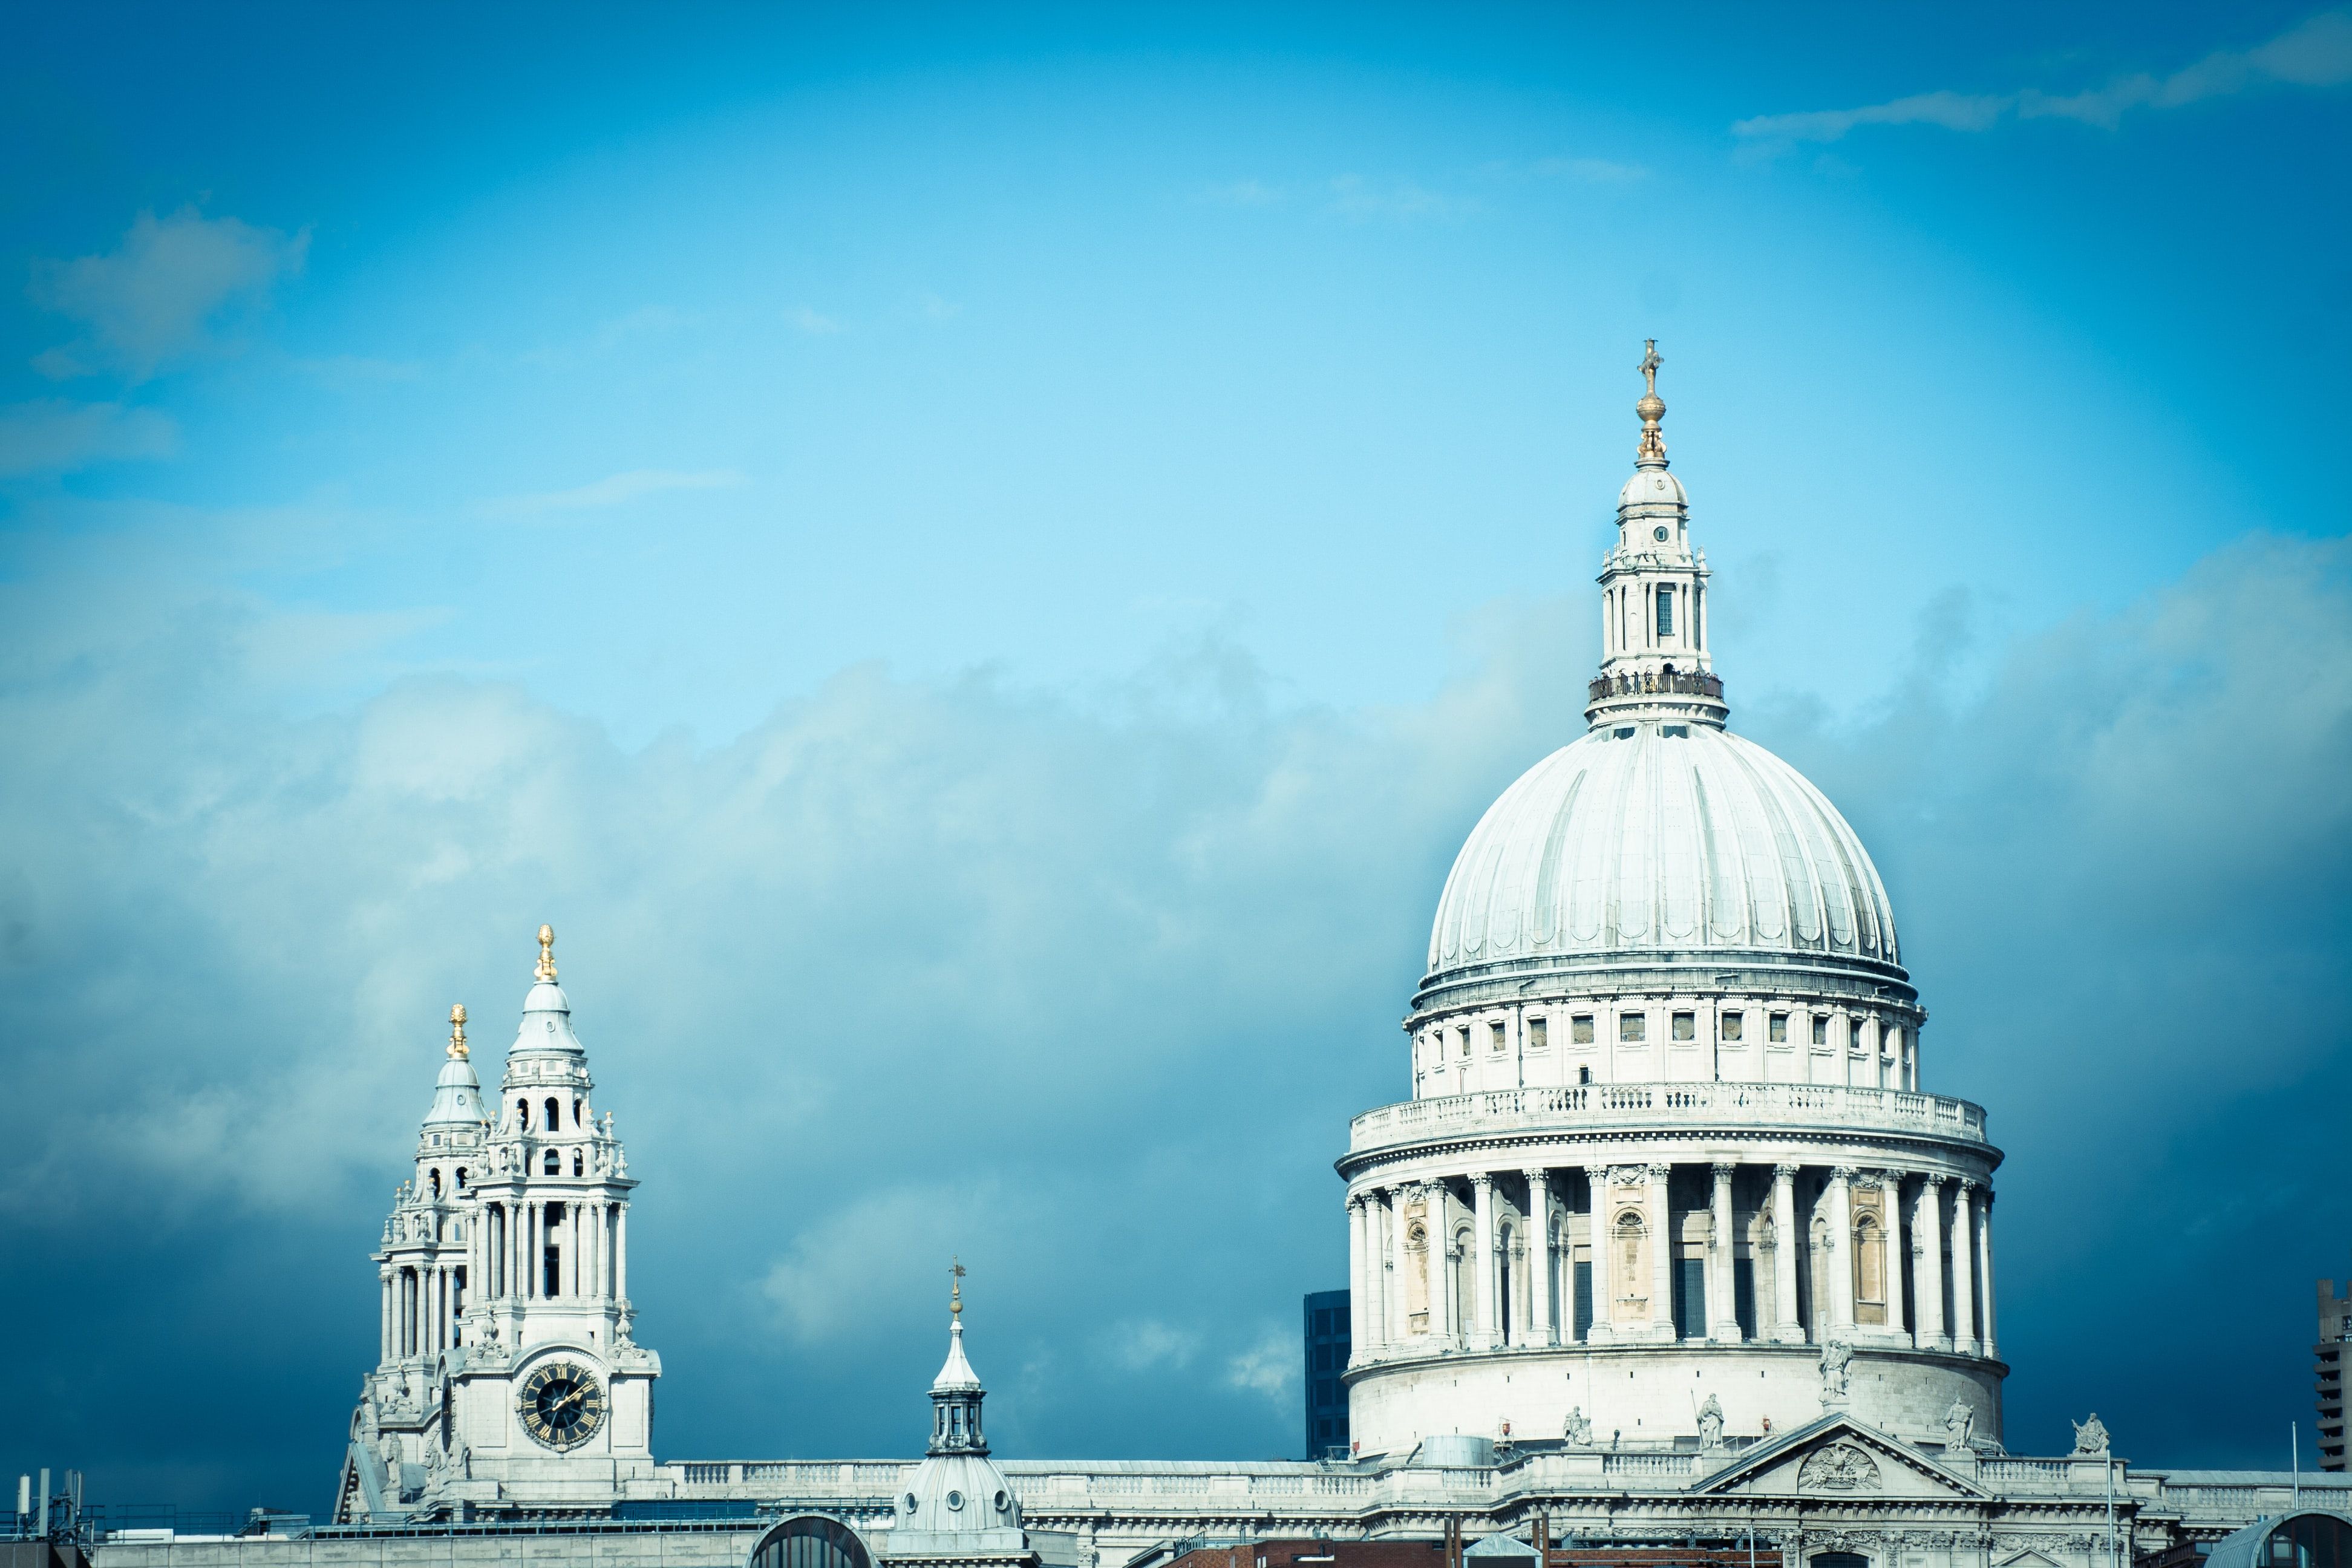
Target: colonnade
590	1240
1860	1256
422	1302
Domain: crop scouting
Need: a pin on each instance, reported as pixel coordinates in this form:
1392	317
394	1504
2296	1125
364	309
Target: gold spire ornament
1652	407
457	1050
547	954
955	1289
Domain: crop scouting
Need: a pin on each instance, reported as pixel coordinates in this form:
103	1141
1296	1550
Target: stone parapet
1679	1107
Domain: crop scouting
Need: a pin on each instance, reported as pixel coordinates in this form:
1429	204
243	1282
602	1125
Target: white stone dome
1652	487
1695	842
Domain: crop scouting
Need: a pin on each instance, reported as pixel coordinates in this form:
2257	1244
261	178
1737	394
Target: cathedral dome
1653	840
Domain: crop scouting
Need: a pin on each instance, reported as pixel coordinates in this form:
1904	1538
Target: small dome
1696	842
1652	487
456	1096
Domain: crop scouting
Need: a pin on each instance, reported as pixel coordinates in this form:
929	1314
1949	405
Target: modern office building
1328	1346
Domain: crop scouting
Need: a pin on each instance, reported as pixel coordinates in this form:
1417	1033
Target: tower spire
457	1051
547	954
1651	452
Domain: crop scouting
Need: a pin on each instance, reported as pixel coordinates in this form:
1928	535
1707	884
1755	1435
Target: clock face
1659	534
563	1405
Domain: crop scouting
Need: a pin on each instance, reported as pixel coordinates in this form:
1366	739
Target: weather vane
955	1288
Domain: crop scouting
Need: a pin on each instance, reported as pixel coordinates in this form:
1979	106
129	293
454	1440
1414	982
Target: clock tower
509	1382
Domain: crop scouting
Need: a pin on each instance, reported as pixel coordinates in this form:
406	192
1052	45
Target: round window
911	1502
1002	1502
955	1499
1659	534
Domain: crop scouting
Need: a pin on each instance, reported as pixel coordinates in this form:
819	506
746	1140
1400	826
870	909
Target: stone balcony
1637	1108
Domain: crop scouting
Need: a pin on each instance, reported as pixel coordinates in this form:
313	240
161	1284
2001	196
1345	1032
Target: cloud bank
2316	53
1085	994
163	293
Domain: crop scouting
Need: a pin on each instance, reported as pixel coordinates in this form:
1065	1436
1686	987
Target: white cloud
55	435
1140	1344
1268	1367
1589	170
615	489
1353	196
1244	193
160	295
816	323
2314	53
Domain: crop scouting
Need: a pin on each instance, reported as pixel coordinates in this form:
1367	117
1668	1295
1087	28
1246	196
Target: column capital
1357	1200
1536	1173
1658	1170
1787	1170
1725	1168
1842	1174
1482	1178
1967	1185
1931	1181
1597	1174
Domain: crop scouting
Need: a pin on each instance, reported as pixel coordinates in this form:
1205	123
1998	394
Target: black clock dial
562	1405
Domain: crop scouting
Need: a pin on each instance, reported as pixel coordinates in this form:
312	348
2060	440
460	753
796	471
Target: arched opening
809	1541
553	1164
461	1178
522	1114
578	1163
1503	1281
1458	1267
2308	1541
1870	1267
1630	1262
575	1112
554	1114
435	1181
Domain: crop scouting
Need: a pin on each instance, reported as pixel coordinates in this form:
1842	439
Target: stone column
1984	1270
385	1274
1358	1291
1400	1303
1898	1278
1840	1269
1482	1217
1539	1258
1604	1298
1788	1246
1722	1306
1964	1275
1928	1246
621	1252
1661	1253
1376	1268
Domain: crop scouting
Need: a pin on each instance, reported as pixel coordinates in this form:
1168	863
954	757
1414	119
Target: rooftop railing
1637	1107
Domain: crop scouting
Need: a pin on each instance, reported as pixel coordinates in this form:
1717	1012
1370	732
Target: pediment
2026	1559
1838	1456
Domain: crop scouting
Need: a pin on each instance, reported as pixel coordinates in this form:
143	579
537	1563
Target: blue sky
978	568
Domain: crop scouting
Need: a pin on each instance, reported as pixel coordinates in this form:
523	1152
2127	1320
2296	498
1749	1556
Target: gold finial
955	1289
547	954
1652	407
457	1032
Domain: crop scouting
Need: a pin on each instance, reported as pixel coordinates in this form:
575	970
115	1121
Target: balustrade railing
1632	1105
1604	687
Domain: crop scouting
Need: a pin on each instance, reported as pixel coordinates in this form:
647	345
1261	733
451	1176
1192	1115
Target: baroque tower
1667	1174
508	1381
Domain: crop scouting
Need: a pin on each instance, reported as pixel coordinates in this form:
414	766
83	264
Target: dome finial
955	1290
457	1051
1651	408
547	954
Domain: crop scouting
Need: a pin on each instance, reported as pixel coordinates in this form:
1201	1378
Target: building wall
1323	1378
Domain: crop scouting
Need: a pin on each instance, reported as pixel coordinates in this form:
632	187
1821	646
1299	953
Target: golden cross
1649	365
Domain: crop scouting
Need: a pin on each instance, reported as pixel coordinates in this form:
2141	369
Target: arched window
575	1111
578	1163
1632	1268
553	1164
435	1182
1869	1261
809	1541
554	1114
1503	1286
2309	1541
522	1114
461	1178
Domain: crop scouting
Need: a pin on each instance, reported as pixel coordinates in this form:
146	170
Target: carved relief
1840	1468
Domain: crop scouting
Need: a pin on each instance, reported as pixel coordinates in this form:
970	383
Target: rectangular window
1894	1042
1632	1027
1777	1031
1686	1026
1496	1034
1462	1039
1584	1301
1743	1294
1580	1029
1538	1033
1733	1024
1821	1030
1665	611
1689	1284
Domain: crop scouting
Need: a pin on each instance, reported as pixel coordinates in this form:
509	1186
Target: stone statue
1840	1468
433	1458
1958	1422
461	1462
390	1455
2091	1438
1836	1354
1579	1429
1710	1424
